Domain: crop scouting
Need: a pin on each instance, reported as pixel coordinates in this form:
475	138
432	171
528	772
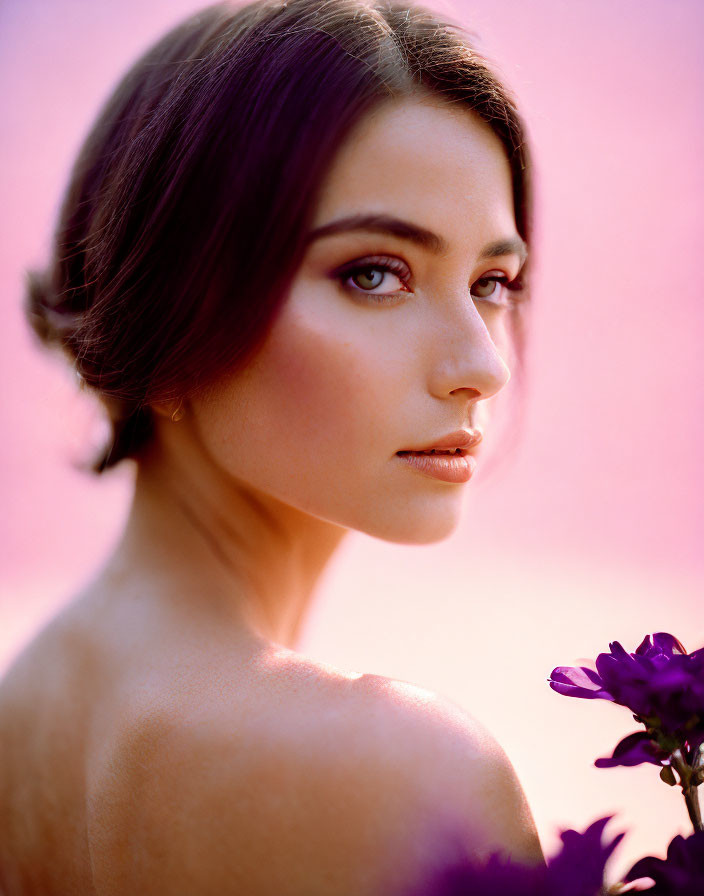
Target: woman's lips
447	466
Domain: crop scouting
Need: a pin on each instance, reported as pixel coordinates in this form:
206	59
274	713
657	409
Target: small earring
178	413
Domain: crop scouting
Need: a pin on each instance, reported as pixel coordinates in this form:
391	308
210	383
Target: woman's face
387	342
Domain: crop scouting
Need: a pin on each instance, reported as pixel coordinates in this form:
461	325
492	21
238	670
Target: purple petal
607	666
593	676
682	872
617	651
579	867
660	644
578	682
667	643
645	646
634	749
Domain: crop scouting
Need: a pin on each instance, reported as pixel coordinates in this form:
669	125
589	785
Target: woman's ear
173	408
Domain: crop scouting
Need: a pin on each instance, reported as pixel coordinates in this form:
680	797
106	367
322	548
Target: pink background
592	527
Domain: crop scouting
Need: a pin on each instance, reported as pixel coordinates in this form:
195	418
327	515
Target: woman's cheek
325	379
321	395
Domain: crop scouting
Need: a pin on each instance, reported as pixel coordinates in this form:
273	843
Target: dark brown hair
186	213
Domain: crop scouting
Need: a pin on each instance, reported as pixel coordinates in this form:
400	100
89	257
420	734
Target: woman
262	268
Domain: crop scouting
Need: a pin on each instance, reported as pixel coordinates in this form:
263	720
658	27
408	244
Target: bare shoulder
327	784
453	759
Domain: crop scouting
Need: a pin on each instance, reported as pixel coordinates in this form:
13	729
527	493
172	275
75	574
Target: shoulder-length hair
187	210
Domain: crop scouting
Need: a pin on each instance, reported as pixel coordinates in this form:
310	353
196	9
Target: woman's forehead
425	161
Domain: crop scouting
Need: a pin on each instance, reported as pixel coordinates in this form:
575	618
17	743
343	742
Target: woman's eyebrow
379	223
510	246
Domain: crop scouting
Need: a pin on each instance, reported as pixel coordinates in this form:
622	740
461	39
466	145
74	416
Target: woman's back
46	712
139	754
100	676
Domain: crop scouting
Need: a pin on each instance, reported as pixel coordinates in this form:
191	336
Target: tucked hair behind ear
187	209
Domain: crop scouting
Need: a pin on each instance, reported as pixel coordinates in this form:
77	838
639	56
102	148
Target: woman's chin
421	528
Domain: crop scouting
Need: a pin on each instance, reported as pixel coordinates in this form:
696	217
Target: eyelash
397	267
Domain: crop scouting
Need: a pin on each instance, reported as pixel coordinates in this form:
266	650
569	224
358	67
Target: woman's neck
222	548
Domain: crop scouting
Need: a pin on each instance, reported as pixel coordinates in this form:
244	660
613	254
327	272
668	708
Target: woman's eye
369	276
492	290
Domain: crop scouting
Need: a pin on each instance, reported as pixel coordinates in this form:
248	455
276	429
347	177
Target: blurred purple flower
577	870
495	878
660	683
680	874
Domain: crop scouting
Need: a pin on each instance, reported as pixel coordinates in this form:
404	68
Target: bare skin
162	735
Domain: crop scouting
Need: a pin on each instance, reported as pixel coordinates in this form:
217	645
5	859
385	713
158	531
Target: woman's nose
466	358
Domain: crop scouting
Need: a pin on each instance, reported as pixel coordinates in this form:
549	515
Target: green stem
691	798
689	789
